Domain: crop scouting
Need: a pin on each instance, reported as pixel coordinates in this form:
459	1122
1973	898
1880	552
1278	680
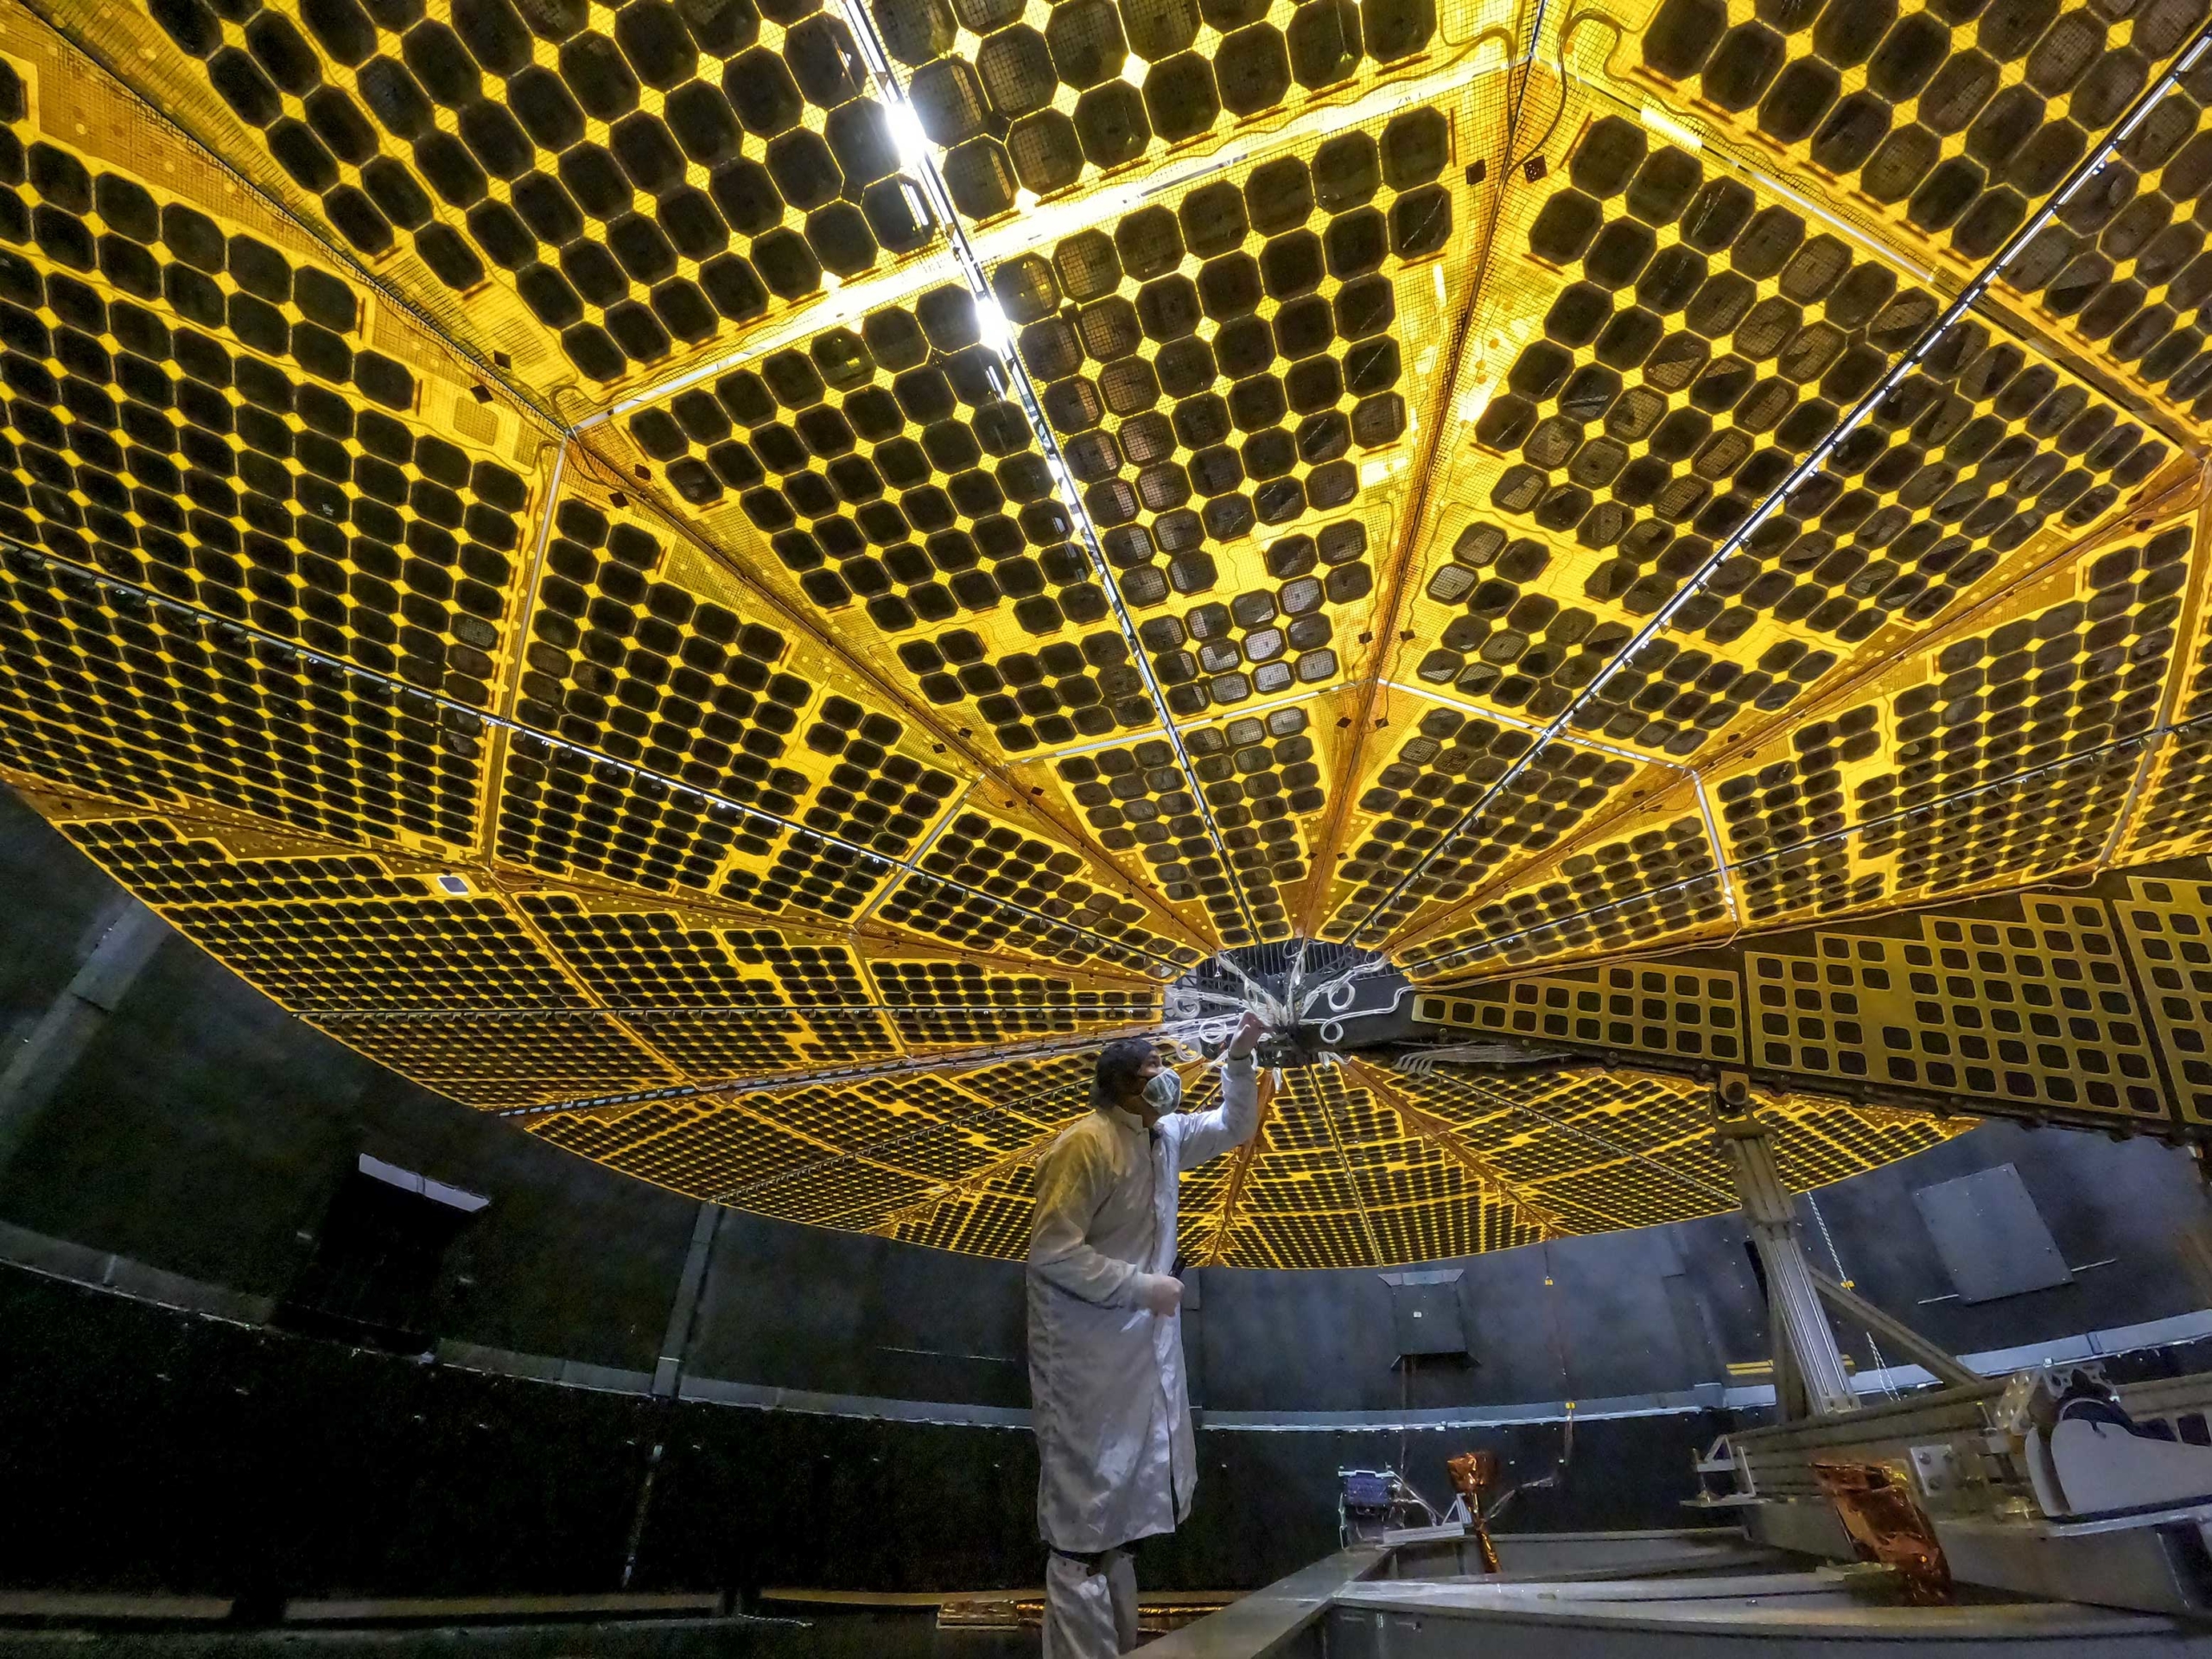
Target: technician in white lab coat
1105	1331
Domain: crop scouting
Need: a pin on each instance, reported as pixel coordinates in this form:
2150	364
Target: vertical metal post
1790	1403
1794	1314
676	1342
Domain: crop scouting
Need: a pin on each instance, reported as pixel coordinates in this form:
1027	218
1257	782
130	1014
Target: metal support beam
1794	1311
1790	1403
61	1036
676	1342
1939	1363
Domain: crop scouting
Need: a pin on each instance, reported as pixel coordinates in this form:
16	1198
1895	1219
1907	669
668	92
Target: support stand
1809	1378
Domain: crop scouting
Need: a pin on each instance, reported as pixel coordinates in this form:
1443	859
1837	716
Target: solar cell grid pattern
746	580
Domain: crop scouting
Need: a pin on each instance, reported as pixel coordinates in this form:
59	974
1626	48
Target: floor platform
1686	1595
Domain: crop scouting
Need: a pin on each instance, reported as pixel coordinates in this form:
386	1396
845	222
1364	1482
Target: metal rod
1938	1361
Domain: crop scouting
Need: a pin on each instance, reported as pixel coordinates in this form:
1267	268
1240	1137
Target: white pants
1090	1613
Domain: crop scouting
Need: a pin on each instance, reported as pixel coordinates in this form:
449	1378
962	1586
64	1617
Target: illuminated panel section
1674	1007
986	1210
1260	778
1820	1140
107	692
2035	1010
993	1221
448	984
1001	887
639	651
1409	848
2118	275
1631	1149
1422	1200
1702	333
1241	376
2001	754
2027	1001
1116	789
1028	104
1636	1148
1977	472
173	865
1940	132
193	404
1301	1207
1943	130
700	1151
1968	461
961	1004
2167	818
907	1145
577	194
242	450
676	982
820	713
496	1062
1649	876
885	479
2168	927
1658	339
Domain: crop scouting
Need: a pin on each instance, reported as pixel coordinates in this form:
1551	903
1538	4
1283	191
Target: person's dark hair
1119	1062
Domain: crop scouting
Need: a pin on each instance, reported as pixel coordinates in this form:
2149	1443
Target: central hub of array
1303	990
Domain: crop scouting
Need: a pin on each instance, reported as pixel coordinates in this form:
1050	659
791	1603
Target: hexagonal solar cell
744	583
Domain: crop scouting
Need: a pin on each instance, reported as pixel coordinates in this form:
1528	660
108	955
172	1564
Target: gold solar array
745	581
2083	1006
624	188
2164	923
1667	1008
1595	1151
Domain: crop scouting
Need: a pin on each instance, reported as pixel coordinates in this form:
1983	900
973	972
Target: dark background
204	1133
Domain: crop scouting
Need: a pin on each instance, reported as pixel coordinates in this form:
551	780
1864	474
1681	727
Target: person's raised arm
1206	1135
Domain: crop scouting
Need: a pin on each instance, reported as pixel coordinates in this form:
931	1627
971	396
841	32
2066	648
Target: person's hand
1161	1294
1248	1037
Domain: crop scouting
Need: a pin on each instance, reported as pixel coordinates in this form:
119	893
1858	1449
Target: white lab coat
1112	1415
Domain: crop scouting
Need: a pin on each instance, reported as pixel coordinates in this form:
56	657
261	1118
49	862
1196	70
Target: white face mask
1163	1093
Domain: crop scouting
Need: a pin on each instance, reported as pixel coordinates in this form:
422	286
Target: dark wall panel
215	1459
186	1454
1669	1307
205	1130
806	1308
56	904
2120	1213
